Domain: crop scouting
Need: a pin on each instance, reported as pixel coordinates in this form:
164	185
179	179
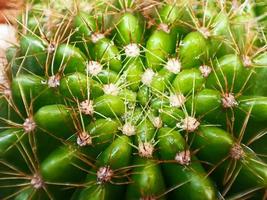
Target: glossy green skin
207	106
62	166
35	91
69	59
211	10
239	24
260	8
8	112
102	132
253	169
122	4
204	102
117	155
193	50
108	54
84	25
257	105
229	75
35	54
171	14
129	29
31	23
99	192
170	143
143	95
196	184
220	30
171	115
106	76
158	47
10	139
259	85
52	117
162	80
128	96
147	180
58	165
75	85
188	80
145	132
136	116
209	137
13	58
78	86
134	73
159	103
109	106
33	194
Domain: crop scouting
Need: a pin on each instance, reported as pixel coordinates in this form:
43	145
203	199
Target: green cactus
122	99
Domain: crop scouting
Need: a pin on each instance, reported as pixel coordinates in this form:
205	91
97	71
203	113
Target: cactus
124	99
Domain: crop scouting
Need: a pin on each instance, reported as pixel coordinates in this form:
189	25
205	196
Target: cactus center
183	158
111	89
104	174
205	70
93	68
164	27
53	81
157	122
147	77
132	50
173	65
177	100
145	149
84	139
189	124
7	92
37	181
247	61
51	48
96	37
228	100
236	152
128	129
29	125
87	107
205	32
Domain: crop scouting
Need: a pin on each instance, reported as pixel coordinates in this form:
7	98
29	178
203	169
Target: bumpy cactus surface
125	99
